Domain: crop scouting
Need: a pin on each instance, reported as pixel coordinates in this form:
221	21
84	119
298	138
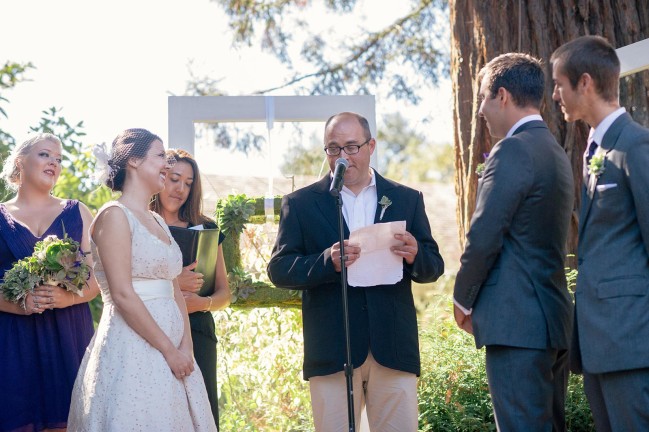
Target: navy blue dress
40	354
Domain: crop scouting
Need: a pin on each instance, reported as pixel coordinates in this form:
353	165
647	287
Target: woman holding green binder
180	204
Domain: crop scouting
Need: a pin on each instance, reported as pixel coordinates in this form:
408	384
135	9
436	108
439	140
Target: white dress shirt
359	210
522	121
597	134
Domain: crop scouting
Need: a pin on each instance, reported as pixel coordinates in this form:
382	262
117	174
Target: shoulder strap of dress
19	245
71	220
5	227
70	204
110	204
162	223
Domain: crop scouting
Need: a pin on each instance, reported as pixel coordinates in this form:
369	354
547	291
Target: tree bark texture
484	29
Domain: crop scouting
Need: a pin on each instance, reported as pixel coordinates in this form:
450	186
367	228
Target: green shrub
260	371
578	414
261	386
453	391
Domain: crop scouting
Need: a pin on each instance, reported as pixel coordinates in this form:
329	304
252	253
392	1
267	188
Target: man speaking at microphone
382	318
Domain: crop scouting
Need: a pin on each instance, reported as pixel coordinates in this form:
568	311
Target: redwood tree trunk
481	30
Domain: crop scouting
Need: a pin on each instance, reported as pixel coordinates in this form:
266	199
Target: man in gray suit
611	343
510	291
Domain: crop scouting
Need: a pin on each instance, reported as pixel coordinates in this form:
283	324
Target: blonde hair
10	171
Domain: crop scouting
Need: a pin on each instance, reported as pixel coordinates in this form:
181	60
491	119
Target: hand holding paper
377	264
352	252
408	250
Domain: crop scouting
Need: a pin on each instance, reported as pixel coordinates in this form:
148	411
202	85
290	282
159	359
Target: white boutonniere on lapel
385	203
596	166
479	169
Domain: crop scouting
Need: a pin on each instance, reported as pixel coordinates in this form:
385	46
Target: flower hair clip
103	170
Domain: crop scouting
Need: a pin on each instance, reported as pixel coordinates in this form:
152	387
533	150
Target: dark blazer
512	269
612	295
381	318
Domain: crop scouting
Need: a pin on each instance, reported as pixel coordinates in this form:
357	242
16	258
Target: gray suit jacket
512	269
612	295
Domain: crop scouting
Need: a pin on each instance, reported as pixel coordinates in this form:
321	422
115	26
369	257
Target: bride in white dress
138	374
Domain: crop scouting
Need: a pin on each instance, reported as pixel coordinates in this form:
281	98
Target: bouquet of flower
54	262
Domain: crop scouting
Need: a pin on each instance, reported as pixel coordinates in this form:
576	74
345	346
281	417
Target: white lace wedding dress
124	384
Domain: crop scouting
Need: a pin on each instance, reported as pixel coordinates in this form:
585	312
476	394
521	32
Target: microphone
339	172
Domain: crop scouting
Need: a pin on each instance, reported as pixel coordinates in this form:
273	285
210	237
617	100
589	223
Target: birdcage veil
111	162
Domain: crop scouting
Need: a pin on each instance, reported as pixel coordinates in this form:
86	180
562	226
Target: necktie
588	155
592	147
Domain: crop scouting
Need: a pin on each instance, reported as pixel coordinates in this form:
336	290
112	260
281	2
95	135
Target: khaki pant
388	395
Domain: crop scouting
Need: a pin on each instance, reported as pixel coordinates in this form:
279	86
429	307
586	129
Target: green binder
201	245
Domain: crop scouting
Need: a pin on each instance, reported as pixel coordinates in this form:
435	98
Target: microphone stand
348	367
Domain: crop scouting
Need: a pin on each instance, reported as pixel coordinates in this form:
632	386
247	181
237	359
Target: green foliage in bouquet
54	261
63	262
20	279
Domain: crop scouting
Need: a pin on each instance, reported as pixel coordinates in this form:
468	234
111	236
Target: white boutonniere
479	169
385	203
596	165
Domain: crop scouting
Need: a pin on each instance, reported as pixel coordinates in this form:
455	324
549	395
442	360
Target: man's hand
352	252
463	321
409	249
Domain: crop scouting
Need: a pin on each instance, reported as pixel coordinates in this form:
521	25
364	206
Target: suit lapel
328	204
608	143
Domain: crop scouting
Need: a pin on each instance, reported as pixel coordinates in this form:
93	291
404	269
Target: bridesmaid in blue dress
42	344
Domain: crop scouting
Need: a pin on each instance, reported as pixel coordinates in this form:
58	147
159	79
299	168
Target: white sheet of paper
377	265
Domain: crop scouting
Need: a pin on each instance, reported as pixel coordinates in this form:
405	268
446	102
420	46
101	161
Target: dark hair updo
130	144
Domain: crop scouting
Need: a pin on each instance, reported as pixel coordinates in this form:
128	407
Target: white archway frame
634	57
184	111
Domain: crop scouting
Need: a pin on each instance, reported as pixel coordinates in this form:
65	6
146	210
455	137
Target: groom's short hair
520	74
